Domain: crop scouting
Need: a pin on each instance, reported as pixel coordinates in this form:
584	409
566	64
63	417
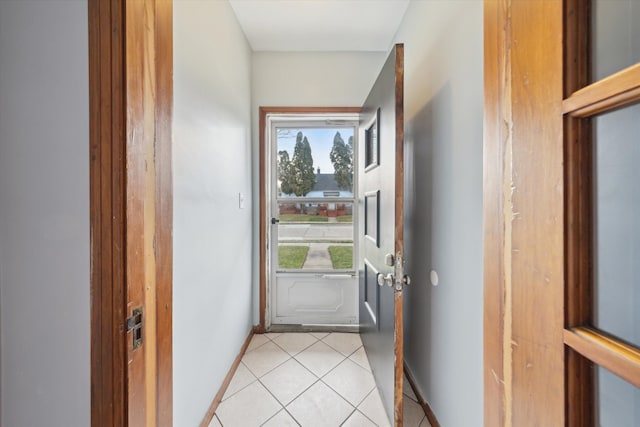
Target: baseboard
223	388
421	400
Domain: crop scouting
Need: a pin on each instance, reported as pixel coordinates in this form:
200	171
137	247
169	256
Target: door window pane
314	162
315	236
617	401
617	223
616	36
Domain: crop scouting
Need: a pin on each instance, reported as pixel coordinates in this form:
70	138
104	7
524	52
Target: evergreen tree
304	178
342	158
284	172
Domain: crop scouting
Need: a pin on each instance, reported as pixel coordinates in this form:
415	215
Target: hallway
308	379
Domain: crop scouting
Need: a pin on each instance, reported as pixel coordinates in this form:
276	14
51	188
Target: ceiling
320	25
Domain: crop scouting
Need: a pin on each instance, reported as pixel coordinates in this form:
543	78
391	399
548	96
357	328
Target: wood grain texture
225	384
620	358
524	221
107	215
131	247
164	210
262	167
496	98
579	396
615	91
399	235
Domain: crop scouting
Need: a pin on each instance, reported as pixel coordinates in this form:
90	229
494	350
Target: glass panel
315	236
617	401
616	36
314	162
617	223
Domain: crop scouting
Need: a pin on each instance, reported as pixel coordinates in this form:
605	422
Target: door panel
381	232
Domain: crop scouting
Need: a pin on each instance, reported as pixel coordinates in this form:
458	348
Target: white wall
44	213
305	79
443	117
212	236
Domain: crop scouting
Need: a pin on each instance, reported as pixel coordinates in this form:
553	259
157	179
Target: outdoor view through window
315	198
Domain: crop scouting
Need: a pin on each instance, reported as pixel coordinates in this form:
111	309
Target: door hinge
134	325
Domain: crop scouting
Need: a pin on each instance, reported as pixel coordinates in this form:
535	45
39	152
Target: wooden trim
130	72
225	384
428	411
107	212
164	210
615	91
524	276
620	358
579	395
496	64
263	111
399	233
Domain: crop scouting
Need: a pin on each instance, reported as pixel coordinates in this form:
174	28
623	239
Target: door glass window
314	197
314	162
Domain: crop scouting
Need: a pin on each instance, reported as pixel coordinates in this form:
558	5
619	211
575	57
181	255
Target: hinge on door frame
134	325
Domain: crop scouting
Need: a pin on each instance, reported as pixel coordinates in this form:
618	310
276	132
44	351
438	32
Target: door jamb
263	111
111	152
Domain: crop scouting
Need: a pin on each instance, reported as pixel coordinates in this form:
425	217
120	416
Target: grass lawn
292	256
345	218
302	218
341	257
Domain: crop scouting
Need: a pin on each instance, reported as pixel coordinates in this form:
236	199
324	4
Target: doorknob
385	280
274	221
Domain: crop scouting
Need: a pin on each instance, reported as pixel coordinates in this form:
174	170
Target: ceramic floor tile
294	343
320	406
256	341
319	335
343	342
413	413
214	422
319	358
281	419
242	378
407	390
272	335
265	358
351	381
360	357
372	408
288	381
358	420
251	406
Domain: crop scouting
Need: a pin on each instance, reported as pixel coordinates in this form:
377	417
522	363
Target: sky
320	139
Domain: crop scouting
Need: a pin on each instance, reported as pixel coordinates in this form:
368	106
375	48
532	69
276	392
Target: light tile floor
308	379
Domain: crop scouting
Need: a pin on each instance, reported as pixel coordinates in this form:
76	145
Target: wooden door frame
264	183
116	84
524	271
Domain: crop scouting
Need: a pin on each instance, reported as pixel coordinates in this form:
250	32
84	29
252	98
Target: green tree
342	158
284	172
302	173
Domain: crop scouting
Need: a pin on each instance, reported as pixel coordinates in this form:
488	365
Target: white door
312	250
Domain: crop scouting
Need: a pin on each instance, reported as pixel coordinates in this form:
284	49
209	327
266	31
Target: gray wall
44	213
443	116
212	235
305	79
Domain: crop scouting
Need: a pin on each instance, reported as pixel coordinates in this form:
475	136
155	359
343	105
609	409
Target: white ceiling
320	25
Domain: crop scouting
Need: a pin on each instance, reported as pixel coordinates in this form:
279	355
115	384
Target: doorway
311	219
